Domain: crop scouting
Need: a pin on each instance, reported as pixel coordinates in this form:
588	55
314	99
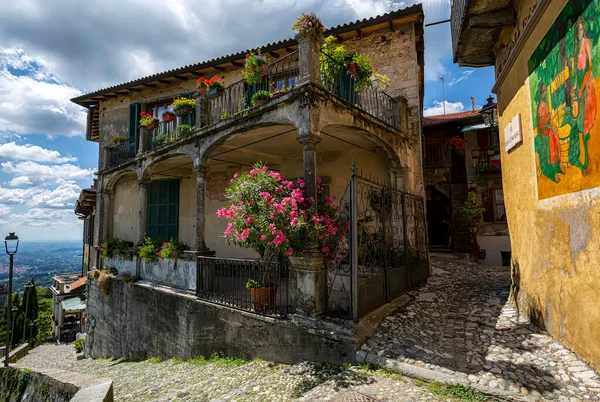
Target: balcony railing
437	153
171	131
336	78
122	152
224	280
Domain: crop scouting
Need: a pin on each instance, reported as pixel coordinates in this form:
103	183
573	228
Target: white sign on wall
512	133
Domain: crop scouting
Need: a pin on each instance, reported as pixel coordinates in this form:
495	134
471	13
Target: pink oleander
270	215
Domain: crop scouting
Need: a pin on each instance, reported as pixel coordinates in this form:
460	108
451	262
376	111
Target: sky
49	55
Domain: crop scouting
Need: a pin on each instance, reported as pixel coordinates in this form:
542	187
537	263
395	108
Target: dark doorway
438	218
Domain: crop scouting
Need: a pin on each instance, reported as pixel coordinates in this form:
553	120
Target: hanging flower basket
255	67
148	121
184	106
168	116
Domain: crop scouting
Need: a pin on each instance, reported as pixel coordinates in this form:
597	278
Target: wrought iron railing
336	78
168	132
224	280
457	17
283	72
122	152
437	153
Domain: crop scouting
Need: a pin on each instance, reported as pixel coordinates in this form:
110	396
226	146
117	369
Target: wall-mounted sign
512	133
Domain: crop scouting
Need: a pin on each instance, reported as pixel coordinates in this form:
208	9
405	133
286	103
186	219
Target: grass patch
154	360
220	360
457	392
372	369
177	360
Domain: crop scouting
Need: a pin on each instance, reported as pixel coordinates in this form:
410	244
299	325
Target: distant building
85	209
3	294
68	307
450	174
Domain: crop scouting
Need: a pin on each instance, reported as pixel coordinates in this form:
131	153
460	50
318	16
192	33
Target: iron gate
386	253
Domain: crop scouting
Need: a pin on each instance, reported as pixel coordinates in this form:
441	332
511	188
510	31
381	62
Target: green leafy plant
170	249
457	392
149	250
224	114
252	284
184	129
332	63
160	140
472	208
262	95
115	247
364	71
78	345
254	67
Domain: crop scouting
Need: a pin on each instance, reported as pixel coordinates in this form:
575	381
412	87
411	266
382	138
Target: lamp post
11	243
489	112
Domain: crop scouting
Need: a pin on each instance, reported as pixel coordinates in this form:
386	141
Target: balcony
476	26
236	102
437	153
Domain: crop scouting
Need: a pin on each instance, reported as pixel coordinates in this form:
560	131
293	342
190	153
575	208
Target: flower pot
168	117
263	298
259	102
203	89
183	111
153	125
215	92
475	153
352	69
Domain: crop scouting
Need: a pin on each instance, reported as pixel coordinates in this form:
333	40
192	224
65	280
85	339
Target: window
168	130
499	211
163	209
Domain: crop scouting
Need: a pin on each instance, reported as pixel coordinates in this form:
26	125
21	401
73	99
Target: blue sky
51	54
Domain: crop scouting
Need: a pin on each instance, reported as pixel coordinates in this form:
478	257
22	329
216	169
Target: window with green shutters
134	122
163	209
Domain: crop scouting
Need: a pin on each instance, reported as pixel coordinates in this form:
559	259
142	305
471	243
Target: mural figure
563	83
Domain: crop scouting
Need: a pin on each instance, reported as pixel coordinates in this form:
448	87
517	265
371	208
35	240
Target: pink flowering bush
309	24
269	214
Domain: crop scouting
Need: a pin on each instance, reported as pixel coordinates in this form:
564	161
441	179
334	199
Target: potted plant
216	87
363	70
202	84
333	62
168	116
148	121
160	140
457	144
472	207
308	24
184	129
255	67
116	141
183	106
260	97
268	214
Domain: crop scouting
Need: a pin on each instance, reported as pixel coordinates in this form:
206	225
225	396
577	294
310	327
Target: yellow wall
125	209
555	241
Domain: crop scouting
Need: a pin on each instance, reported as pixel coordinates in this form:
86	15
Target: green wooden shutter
134	122
163	209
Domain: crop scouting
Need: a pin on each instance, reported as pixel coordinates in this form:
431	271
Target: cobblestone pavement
462	323
222	380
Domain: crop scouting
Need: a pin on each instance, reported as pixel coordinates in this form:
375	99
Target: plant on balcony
184	129
332	63
183	106
309	24
364	71
202	84
171	249
380	81
260	97
116	141
149	250
168	116
148	121
160	140
457	144
115	247
269	214
255	67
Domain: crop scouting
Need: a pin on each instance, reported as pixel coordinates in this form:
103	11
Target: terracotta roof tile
78	283
446	118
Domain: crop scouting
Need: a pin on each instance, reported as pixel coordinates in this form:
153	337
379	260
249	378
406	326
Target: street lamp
11	243
489	112
31	325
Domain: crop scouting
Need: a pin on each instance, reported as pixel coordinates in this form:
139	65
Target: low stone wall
123	265
179	273
18	353
52	386
143	320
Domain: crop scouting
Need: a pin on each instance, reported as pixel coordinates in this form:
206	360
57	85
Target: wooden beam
136	89
237	64
150	85
274	54
219	68
181	77
165	81
358	33
197	74
290	50
391	26
109	96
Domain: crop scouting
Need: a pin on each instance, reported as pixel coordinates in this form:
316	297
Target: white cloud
12	150
438	108
34	174
63	196
465	74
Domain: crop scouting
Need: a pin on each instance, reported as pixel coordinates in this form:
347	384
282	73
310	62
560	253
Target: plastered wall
555	241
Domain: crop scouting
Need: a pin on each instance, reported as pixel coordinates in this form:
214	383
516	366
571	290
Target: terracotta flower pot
259	102
168	117
352	69
203	89
153	126
263	298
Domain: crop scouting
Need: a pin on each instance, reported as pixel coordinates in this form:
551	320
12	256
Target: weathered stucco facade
554	221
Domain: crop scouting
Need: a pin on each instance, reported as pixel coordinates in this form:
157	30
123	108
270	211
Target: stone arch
147	169
111	180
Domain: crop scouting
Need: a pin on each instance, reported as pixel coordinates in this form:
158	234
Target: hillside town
289	222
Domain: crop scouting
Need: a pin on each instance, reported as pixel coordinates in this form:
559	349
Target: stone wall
26	385
139	321
179	273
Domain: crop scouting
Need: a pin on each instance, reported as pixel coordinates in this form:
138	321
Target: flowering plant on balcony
364	70
260	96
114	247
168	116
457	144
183	105
255	67
148	121
309	24
269	214
149	250
116	141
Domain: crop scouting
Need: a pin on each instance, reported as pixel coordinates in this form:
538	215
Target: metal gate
386	254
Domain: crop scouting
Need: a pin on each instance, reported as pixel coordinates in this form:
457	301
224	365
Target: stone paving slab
462	324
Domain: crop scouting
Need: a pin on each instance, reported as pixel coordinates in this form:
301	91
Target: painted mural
565	91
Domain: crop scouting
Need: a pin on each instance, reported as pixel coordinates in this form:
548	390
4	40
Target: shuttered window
134	121
163	209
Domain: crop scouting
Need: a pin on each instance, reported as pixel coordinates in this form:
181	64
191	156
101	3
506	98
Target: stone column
202	110
308	284
309	143
106	219
142	210
200	245
309	50
144	140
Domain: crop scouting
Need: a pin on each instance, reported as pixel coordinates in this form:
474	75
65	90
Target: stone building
170	182
450	174
85	209
546	56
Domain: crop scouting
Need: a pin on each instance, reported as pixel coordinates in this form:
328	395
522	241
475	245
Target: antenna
443	96
472	103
